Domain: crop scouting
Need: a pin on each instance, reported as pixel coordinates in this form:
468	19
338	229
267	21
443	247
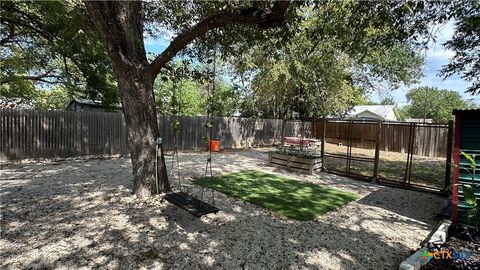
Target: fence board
430	139
35	134
45	134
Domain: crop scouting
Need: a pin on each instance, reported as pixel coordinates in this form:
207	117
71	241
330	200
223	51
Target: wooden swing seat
191	204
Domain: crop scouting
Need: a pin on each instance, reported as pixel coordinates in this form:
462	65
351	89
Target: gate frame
376	160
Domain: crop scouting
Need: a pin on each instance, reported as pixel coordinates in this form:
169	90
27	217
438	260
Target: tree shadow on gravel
416	205
82	214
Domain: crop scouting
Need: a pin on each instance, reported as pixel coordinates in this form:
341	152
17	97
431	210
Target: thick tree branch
40	78
252	16
29	22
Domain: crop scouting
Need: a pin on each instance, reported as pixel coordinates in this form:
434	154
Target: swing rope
176	104
210	95
182	199
176	127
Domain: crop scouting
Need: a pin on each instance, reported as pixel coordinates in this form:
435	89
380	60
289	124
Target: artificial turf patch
291	198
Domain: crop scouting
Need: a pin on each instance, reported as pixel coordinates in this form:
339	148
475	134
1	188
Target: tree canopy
324	66
182	89
433	103
53	43
466	45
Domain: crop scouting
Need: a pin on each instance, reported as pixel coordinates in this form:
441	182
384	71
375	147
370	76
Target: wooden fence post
322	147
282	134
412	149
377	152
448	162
408	169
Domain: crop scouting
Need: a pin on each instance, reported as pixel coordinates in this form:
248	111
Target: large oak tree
121	27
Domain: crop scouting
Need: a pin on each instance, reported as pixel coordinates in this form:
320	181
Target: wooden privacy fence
428	139
36	134
233	132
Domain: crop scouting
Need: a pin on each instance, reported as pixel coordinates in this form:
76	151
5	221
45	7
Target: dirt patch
426	171
75	214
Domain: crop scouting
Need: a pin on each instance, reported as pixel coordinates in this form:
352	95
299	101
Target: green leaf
470	159
469	195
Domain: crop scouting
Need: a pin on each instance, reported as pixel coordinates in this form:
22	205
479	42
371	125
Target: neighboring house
419	120
373	113
16	104
83	105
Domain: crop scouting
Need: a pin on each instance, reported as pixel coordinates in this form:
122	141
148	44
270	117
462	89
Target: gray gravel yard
80	214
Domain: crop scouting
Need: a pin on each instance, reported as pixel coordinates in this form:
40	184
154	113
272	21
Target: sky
155	45
435	57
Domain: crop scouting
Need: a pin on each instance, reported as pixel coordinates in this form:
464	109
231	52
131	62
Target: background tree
433	103
388	101
55	98
52	44
403	113
363	100
183	90
324	68
188	93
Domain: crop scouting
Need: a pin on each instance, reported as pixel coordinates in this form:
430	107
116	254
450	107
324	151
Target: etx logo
445	254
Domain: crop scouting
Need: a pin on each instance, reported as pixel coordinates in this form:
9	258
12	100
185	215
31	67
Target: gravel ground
81	214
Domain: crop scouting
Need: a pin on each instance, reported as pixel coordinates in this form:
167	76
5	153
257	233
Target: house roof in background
380	110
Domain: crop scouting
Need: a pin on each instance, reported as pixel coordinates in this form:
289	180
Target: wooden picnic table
308	142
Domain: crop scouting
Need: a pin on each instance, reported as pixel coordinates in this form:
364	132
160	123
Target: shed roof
475	111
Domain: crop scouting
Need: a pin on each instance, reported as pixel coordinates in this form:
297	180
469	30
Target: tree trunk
141	118
284	119
120	25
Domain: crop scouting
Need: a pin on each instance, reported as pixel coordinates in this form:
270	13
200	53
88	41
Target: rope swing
176	104
210	95
181	199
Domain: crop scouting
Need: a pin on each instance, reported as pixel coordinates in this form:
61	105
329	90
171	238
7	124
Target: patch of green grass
291	198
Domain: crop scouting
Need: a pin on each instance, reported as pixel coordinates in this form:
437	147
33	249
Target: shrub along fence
60	134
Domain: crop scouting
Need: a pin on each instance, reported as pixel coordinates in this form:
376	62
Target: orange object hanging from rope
214	146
